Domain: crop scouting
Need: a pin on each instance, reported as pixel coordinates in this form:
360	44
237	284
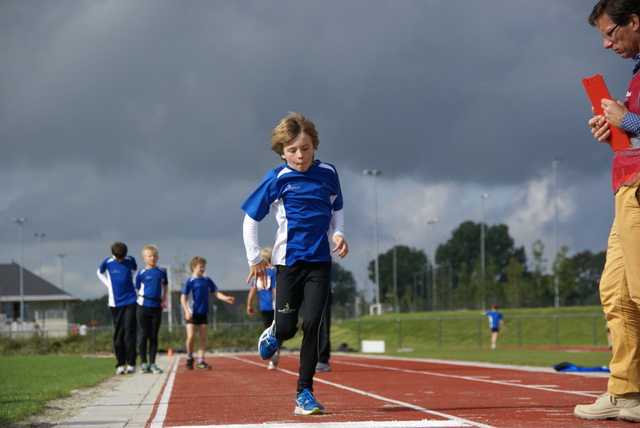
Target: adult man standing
619	23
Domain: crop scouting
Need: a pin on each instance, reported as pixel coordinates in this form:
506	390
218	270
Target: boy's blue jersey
494	319
197	291
118	277
304	203
265	297
149	283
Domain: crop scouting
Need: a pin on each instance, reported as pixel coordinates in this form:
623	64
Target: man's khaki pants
620	294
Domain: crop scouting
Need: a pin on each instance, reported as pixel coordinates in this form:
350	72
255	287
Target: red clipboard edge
597	90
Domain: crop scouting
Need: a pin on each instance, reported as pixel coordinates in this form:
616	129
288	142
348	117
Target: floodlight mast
20	221
373	173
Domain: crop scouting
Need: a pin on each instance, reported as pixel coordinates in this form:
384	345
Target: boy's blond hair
266	253
197	260
151	248
289	128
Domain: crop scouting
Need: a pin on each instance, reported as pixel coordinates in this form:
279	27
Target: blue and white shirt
494	319
149	283
197	291
118	277
308	206
265	297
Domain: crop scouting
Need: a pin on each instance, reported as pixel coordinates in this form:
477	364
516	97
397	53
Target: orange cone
170	352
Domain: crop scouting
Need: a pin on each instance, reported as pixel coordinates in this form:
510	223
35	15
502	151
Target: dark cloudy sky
149	122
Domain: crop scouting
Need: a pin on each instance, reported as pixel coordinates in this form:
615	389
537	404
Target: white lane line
161	412
461	421
471	378
368	424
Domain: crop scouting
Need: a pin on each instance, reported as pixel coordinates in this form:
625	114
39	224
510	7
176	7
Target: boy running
306	196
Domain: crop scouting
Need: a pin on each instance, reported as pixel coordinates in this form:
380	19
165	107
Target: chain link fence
399	334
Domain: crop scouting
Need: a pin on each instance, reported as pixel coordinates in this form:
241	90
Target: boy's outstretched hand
341	246
259	271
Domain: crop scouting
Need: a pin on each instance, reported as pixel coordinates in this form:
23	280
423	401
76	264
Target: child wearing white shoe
496	321
116	272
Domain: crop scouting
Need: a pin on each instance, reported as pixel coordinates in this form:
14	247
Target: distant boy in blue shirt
266	300
496	320
195	304
116	272
306	197
151	284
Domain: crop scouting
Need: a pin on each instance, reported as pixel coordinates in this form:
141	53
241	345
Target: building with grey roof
45	305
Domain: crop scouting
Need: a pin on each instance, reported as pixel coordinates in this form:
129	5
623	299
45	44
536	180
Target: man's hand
614	111
600	129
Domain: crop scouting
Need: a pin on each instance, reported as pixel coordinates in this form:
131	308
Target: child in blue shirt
266	293
116	272
496	320
306	197
195	304
151	284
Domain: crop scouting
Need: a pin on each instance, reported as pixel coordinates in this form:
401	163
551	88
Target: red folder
597	90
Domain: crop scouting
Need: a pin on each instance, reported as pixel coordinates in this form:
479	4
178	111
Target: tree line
456	279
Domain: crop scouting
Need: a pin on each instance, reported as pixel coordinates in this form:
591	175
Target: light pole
62	256
556	288
20	221
374	173
395	275
483	197
434	301
368	293
39	237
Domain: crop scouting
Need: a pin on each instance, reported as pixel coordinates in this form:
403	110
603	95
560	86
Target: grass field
466	336
28	382
540	327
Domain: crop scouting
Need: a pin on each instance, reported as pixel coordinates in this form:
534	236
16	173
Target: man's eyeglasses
609	33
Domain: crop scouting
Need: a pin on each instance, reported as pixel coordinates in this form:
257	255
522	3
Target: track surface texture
365	391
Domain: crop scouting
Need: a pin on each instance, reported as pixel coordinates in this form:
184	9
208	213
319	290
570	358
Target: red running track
364	391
